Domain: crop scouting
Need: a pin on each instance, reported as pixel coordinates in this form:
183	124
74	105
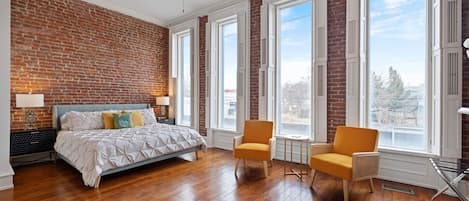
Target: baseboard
6	177
6	182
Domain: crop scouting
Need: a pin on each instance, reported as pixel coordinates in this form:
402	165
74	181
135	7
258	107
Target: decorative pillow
76	121
108	119
137	119
122	120
148	116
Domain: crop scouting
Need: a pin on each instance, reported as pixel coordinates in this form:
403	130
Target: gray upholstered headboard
59	110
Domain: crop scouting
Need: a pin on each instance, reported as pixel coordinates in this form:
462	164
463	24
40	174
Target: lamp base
163	111
30	120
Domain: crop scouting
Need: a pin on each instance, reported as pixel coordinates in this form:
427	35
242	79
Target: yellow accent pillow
108	120
137	118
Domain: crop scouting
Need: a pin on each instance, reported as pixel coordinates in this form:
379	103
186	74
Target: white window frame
443	124
277	100
180	74
238	11
189	27
268	90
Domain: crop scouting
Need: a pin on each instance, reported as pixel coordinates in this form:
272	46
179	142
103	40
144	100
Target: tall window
184	82
294	57
397	72
228	65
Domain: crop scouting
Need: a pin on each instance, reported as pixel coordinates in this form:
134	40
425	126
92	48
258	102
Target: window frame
365	74
444	30
277	79
267	72
180	82
221	70
241	12
190	26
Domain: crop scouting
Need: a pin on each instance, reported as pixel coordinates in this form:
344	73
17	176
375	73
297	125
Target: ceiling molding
126	11
201	12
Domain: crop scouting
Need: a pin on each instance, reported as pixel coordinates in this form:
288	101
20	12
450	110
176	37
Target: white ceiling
160	12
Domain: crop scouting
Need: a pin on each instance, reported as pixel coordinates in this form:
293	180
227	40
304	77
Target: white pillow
76	121
148	116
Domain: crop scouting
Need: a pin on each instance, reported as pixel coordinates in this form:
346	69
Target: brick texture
77	53
202	74
336	69
465	92
255	59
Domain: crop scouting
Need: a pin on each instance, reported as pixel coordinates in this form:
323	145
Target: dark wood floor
209	178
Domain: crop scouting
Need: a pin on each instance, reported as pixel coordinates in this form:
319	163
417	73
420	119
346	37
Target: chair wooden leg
345	184
196	155
372	187
236	167
271	164
266	169
313	176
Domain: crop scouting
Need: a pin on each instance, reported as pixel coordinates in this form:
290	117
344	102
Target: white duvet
95	151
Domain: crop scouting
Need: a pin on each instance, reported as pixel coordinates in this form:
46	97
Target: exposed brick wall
336	69
465	92
202	74
77	53
255	59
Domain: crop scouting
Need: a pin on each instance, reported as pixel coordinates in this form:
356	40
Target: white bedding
95	151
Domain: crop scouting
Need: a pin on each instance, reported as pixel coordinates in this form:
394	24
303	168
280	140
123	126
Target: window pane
228	78
294	93
184	105
397	72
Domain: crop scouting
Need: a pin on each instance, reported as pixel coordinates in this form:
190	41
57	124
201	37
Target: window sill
407	152
225	130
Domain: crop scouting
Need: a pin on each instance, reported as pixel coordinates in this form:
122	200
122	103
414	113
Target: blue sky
295	42
397	38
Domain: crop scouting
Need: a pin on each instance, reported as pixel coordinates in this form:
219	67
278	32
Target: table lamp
162	101
30	101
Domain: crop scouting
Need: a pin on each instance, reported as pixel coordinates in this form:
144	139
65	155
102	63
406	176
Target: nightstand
167	121
28	144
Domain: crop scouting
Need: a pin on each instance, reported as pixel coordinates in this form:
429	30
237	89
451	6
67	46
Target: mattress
95	151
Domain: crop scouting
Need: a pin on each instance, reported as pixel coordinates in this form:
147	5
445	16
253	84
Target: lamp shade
29	100
162	100
464	110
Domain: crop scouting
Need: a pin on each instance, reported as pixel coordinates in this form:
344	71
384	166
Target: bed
99	152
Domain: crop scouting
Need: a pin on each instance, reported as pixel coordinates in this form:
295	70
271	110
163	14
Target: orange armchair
352	157
256	143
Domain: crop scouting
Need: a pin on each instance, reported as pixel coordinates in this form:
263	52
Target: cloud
392	4
405	23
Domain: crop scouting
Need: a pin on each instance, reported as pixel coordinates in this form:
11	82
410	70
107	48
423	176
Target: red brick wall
336	69
465	93
77	53
255	59
202	74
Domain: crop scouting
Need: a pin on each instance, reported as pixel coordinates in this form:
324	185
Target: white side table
295	140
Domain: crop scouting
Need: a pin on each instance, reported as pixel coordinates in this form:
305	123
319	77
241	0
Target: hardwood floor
209	178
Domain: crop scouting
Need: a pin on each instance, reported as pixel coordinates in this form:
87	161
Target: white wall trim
126	11
6	172
6	182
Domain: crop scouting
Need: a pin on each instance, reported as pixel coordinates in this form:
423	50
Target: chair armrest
272	143
237	140
321	148
365	165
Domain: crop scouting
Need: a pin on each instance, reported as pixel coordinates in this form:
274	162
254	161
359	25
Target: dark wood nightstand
167	121
31	144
